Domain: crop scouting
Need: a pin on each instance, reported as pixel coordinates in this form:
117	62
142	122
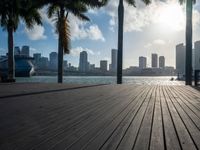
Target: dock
99	117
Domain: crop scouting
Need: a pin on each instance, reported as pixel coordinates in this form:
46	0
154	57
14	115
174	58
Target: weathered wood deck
99	117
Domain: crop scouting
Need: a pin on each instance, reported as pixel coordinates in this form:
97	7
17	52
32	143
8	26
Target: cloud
169	14
78	29
76	51
148	45
37	33
82	30
159	42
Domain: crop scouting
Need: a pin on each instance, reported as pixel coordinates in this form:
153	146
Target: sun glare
171	16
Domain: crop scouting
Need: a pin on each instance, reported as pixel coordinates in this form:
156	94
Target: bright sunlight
171	16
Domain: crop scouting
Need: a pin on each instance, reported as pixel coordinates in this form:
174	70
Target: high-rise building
161	62
92	67
196	55
53	63
154	60
113	60
103	65
180	59
25	51
36	58
43	63
17	50
83	62
142	62
65	64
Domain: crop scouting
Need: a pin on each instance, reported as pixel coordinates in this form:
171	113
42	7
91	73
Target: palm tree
11	12
59	10
188	63
120	36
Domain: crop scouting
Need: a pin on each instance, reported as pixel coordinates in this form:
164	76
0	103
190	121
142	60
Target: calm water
104	80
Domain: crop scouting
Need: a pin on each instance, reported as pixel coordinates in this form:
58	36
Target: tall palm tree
11	13
120	36
59	10
188	63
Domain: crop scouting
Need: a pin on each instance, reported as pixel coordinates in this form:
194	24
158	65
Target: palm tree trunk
11	62
188	66
60	48
120	42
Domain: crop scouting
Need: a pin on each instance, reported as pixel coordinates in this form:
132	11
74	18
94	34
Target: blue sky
156	28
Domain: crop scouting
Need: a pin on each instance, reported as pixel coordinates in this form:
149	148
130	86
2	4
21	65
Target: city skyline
111	66
141	38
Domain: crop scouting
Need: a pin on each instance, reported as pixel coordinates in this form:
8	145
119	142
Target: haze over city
157	28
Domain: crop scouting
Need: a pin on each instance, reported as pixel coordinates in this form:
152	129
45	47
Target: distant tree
120	36
11	12
59	10
188	63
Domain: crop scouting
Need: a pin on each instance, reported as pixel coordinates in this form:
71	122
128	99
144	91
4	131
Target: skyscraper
43	63
154	60
113	60
103	65
53	64
142	62
180	59
161	62
17	50
83	62
36	57
25	51
197	55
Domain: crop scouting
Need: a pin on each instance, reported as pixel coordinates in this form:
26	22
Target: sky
156	28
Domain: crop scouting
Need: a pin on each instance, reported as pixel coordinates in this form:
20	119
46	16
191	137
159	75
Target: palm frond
131	2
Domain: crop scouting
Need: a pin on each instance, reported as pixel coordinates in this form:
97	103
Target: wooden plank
71	135
118	134
192	114
157	136
191	127
184	137
97	128
171	137
132	131
47	134
143	138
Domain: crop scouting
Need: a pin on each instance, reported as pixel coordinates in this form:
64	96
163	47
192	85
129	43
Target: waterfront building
161	62
25	51
92	67
180	59
65	64
16	50
43	63
142	62
53	63
103	65
36	57
196	55
113	60
154	60
83	62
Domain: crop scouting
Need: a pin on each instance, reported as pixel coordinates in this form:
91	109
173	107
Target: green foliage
76	7
12	11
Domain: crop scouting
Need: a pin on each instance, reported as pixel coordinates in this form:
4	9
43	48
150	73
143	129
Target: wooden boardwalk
111	117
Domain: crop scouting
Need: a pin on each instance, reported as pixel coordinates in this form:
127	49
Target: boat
23	66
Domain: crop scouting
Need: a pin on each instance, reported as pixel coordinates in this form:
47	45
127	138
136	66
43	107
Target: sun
171	16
